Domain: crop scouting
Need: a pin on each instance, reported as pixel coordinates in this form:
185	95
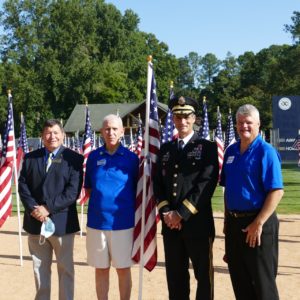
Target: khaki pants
42	259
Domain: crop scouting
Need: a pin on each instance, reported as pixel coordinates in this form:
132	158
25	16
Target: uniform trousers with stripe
179	251
252	270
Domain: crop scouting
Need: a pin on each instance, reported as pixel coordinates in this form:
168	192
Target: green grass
289	204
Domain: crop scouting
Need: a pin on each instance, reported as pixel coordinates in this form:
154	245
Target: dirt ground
16	282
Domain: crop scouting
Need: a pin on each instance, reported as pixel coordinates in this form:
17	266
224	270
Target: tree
209	67
59	53
294	29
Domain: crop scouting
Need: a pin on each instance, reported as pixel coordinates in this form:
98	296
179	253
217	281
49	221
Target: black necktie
180	145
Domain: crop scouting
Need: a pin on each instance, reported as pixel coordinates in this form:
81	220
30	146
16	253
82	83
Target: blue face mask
47	229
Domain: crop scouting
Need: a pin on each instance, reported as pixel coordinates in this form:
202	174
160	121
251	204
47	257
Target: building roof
127	111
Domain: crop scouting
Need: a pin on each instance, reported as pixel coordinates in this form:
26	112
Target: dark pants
178	251
252	270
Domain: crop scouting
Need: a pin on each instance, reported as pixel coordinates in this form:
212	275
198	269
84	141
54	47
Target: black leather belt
242	214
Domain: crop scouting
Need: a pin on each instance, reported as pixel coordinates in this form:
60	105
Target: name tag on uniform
56	160
195	153
230	159
101	162
166	157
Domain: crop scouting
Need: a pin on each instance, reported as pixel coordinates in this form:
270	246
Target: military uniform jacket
185	181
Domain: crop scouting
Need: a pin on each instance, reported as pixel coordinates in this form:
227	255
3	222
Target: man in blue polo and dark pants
253	185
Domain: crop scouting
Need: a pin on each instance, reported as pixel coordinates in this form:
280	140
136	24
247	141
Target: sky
214	26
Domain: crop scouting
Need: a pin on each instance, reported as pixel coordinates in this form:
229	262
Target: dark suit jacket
58	189
185	181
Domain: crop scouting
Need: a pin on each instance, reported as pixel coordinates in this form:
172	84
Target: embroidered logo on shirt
101	162
230	159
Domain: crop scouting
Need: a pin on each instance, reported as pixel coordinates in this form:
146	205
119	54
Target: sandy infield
16	282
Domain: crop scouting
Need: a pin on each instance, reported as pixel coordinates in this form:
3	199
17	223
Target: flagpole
146	173
17	188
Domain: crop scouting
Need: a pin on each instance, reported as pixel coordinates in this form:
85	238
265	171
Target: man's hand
40	212
172	219
254	231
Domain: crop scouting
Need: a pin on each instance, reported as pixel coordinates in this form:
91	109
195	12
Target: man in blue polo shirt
253	184
111	178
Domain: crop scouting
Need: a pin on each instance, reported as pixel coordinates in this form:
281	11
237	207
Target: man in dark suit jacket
50	191
186	178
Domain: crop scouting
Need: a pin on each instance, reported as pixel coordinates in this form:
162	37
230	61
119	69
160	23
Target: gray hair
247	110
112	117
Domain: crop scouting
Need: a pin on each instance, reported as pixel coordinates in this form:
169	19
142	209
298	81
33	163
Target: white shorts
109	247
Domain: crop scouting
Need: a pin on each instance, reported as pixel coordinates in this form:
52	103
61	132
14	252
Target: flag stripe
6	166
204	130
150	219
86	149
219	140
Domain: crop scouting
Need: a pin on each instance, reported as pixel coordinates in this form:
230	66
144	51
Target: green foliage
294	29
290	201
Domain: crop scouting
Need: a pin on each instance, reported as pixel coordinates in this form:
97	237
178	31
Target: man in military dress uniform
186	178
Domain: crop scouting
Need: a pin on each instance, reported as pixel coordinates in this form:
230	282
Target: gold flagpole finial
171	84
149	58
204	98
229	110
218	109
9	92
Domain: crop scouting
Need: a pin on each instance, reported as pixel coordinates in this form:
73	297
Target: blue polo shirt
248	177
112	180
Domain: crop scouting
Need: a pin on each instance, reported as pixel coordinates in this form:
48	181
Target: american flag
93	139
204	130
230	135
6	165
147	166
86	149
131	146
77	143
296	144
169	132
100	142
139	140
219	140
41	144
22	145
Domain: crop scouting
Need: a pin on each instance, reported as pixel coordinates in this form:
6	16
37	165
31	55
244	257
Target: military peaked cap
183	105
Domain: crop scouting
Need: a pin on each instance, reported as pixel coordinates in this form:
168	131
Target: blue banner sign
286	119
